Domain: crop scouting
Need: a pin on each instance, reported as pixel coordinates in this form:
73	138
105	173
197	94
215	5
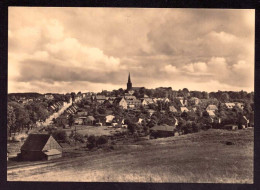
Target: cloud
181	48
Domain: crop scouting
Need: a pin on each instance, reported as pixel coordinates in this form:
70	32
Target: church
130	89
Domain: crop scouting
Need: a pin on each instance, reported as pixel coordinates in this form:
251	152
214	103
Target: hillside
201	157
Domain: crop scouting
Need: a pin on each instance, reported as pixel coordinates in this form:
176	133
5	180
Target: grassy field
202	157
94	130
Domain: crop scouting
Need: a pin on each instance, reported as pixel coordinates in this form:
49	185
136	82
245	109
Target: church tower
129	83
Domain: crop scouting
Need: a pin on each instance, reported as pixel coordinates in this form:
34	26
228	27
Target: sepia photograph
149	95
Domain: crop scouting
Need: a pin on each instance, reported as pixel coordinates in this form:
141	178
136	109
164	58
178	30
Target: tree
205	95
224	97
73	95
102	140
11	119
71	120
21	115
132	127
101	110
92	142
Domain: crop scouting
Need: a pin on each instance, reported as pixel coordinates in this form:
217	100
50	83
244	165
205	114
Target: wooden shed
40	147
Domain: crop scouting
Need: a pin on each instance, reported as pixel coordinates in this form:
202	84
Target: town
95	119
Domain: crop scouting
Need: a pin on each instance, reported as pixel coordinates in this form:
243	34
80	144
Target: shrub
195	127
102	140
79	137
92	142
92	139
60	135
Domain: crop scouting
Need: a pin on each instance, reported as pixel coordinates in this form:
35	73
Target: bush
92	139
79	137
60	135
92	142
195	127
102	140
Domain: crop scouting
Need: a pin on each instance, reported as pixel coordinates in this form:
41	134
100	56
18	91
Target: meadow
204	157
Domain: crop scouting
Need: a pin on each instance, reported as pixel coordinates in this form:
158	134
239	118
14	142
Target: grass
194	158
93	130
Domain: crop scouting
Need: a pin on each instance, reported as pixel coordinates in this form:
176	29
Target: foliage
60	135
102	140
92	142
79	137
11	120
71	120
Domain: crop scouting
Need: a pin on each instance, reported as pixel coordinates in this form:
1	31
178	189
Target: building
211	113
130	89
211	107
172	109
184	109
109	119
194	101
100	99
230	105
79	120
162	131
144	102
90	120
129	83
231	127
120	101
49	96
40	147
133	103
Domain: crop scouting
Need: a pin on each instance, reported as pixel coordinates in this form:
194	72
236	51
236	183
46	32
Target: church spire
129	78
129	83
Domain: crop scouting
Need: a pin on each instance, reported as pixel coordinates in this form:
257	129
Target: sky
63	50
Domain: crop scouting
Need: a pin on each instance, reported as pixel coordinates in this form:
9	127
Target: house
244	121
162	131
40	147
165	100
109	119
80	120
130	97
111	98
149	101
82	113
89	120
211	113
49	96
184	109
144	97
230	105
181	101
231	127
107	103
144	102
194	101
100	99
172	109
194	109
150	111
211	107
176	121
120	101
133	103
139	120
99	124
240	105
